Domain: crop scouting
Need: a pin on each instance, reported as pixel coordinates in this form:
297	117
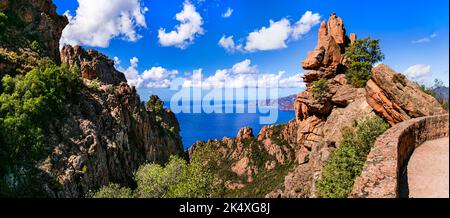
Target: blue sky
413	35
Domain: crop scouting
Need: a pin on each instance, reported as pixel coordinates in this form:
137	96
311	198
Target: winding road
428	170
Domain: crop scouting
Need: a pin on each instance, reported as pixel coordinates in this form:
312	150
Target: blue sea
204	126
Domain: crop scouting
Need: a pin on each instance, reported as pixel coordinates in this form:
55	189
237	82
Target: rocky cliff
107	131
31	31
286	160
93	65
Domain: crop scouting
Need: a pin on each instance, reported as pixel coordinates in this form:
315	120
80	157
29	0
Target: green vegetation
427	90
3	19
9	22
361	56
35	46
177	179
320	88
399	78
95	84
346	163
432	91
114	191
155	104
27	105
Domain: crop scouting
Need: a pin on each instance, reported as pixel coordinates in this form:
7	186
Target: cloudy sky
229	43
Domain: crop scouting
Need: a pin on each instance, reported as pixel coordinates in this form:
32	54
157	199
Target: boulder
397	102
346	94
346	117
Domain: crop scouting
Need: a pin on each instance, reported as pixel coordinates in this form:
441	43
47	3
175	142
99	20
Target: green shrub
36	46
113	191
155	104
177	179
427	90
95	84
27	105
399	78
444	104
360	57
3	19
320	88
346	163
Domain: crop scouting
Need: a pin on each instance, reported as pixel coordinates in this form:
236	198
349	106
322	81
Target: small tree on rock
360	58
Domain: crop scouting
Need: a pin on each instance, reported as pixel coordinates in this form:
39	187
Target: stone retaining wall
385	164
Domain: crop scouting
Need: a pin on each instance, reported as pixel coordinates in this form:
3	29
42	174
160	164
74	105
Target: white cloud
228	44
305	24
244	67
425	39
228	13
116	61
243	75
273	37
293	81
269	38
97	22
157	73
184	34
155	77
418	70
131	73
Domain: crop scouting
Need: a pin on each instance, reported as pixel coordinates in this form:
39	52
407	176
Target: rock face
38	17
397	102
93	65
105	138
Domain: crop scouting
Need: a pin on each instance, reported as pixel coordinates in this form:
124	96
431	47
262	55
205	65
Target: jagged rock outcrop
105	138
397	101
328	55
246	160
38	21
93	64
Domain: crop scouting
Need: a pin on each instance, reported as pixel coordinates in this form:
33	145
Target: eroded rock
397	102
93	65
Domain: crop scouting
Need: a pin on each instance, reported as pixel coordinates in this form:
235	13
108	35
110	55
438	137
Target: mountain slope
102	135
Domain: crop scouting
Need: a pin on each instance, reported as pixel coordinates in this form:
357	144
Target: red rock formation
328	54
397	102
336	29
93	65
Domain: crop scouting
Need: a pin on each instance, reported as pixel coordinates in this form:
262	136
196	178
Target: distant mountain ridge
284	103
442	92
